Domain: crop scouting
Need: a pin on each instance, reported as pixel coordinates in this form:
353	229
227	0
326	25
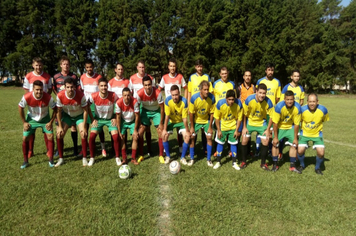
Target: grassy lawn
73	200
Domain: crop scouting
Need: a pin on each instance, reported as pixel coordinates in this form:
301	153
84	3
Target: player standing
104	103
228	115
293	86
176	110
119	82
38	104
246	88
75	111
313	117
128	117
201	111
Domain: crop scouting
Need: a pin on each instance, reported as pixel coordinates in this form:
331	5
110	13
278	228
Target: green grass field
73	200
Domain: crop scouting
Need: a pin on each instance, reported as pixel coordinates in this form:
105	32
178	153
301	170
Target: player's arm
137	122
217	123
26	125
191	119
54	114
118	123
59	119
161	122
237	133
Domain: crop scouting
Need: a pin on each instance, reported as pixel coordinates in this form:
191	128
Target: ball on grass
124	172
174	167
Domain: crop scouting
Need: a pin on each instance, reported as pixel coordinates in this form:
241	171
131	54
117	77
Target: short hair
119	64
223	68
102	79
230	93
313	94
174	87
289	93
198	62
146	78
38	83
203	83
248	71
262	86
296	70
68	80
89	61
126	89
64	58
141	61
37	59
269	65
173	60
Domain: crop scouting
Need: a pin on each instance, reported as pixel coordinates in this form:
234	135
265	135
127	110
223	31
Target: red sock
124	155
25	145
31	142
60	145
133	155
180	140
148	141
46	140
140	144
84	147
50	149
101	136
116	144
92	144
160	144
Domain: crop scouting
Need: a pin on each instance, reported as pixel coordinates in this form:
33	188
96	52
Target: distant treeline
318	38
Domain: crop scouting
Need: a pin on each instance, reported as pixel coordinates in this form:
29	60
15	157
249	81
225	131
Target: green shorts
287	134
72	120
230	137
205	127
127	125
102	123
146	117
37	124
317	141
172	126
259	129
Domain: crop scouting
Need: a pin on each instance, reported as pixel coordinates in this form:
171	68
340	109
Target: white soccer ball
174	167
124	172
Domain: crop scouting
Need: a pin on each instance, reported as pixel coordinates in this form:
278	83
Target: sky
345	2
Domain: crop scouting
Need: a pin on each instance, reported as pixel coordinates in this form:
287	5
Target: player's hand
266	133
121	136
244	131
113	122
94	124
210	131
187	133
49	126
295	143
237	134
192	132
26	126
160	127
135	134
275	142
219	134
85	132
59	132
164	133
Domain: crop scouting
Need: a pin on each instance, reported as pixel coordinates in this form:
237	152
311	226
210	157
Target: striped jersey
89	84
117	85
58	81
167	81
149	101
37	108
127	111
104	107
136	82
32	77
72	106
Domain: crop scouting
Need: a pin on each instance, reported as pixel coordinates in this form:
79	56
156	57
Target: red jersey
167	81
117	85
37	108
72	106
149	102
104	107
136	82
89	84
127	111
32	77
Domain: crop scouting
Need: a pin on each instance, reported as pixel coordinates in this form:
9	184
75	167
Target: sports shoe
59	162
235	166
265	167
140	159
217	165
243	165
85	161
215	154
183	161
190	162
210	164
167	160
180	149
293	169
30	154
24	165
257	154
280	156
318	172
124	162
91	161
275	168
161	159
51	164
230	154
135	162
103	153
118	161
80	154
148	154
300	168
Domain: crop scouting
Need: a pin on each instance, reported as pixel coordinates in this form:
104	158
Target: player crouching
228	116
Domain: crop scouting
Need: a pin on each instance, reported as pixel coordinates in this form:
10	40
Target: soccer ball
124	172
174	167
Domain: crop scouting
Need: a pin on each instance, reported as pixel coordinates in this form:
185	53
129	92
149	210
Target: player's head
69	85
247	77
64	63
269	70
175	93
119	70
147	84
38	88
37	65
172	66
103	85
289	98
126	94
313	101
224	73
141	69
89	66
295	76
199	66
261	92
204	88
230	97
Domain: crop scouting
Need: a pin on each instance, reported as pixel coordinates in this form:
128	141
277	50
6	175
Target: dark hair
64	58
289	93
262	86
141	61
199	62
313	94
89	61
223	68
146	78
296	70
269	65
126	89
230	93
173	60
102	79
38	83
203	83
119	64
37	59
248	71
174	87
68	80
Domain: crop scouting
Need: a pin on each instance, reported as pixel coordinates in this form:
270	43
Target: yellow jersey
285	117
176	111
298	92
195	80
220	88
273	88
202	108
312	122
228	115
257	112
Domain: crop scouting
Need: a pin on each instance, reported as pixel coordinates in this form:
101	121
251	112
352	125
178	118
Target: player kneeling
228	116
176	110
128	117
